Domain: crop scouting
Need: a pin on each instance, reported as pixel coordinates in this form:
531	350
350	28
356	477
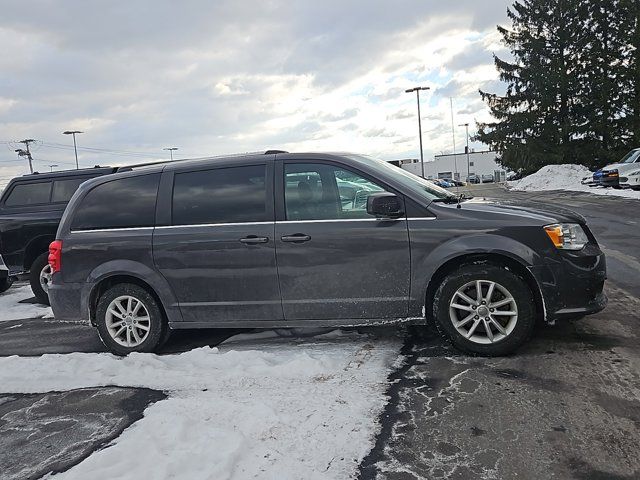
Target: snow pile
12	309
267	408
566	177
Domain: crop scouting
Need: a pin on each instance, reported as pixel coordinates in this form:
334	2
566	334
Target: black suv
290	240
30	211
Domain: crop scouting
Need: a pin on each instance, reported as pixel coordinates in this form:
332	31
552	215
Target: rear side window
123	203
221	195
25	194
63	190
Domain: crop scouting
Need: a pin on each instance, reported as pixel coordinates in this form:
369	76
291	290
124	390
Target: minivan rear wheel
485	309
129	319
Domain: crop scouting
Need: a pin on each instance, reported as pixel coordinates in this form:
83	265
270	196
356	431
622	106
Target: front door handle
296	238
253	240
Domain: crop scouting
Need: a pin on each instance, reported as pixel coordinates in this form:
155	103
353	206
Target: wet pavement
565	406
51	432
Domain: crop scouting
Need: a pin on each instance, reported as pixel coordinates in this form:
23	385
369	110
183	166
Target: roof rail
274	152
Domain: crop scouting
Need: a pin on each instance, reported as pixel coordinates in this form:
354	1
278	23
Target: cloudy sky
222	76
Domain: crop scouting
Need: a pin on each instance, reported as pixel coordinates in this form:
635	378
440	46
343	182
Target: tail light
55	256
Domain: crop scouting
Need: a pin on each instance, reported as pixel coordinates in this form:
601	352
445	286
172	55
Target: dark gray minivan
293	240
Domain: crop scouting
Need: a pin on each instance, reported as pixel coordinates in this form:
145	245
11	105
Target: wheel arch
169	311
499	259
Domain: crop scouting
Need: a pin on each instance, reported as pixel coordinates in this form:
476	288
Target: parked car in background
457	183
631	179
269	241
473	178
442	183
611	174
487	178
30	210
513	176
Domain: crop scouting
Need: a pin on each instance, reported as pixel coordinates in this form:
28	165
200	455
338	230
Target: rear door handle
296	238
253	240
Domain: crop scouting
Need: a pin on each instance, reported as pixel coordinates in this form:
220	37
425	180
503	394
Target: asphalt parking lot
565	406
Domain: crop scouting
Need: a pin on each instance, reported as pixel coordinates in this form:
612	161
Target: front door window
325	192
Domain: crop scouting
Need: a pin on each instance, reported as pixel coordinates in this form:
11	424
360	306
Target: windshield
425	188
631	157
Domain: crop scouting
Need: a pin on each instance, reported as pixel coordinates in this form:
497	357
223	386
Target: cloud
225	76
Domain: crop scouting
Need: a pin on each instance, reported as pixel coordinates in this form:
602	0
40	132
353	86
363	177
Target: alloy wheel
45	278
128	321
483	311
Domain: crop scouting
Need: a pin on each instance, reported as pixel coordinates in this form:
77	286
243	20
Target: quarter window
63	190
320	192
221	195
26	194
123	203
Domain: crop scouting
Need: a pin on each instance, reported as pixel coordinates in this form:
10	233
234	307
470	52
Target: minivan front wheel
129	320
485	309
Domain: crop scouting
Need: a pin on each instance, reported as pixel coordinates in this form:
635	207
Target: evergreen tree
601	138
630	72
536	119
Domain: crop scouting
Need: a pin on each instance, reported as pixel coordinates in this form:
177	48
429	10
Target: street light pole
171	150
466	125
75	149
51	167
417	90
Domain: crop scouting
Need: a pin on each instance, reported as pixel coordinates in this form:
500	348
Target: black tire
34	278
519	290
158	330
5	284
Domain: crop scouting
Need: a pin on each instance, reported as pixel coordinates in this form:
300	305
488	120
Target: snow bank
566	177
261	408
12	309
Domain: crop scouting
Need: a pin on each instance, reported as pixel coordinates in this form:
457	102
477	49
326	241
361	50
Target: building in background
446	166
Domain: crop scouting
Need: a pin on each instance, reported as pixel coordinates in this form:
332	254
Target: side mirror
385	205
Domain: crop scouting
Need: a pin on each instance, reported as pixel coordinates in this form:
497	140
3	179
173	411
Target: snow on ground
12	309
566	177
261	407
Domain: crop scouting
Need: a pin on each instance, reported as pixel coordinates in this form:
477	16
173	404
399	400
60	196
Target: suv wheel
485	309
129	320
40	278
5	284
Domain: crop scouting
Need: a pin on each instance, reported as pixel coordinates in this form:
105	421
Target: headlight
635	173
567	236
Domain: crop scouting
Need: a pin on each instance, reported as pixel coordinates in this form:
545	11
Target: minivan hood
539	212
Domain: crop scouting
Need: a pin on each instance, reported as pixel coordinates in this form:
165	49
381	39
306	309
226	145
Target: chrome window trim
115	229
239	224
196	225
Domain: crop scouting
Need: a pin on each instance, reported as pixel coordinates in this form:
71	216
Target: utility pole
466	125
171	150
75	149
27	152
417	90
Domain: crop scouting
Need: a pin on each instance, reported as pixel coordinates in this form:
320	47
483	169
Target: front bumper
609	179
572	285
